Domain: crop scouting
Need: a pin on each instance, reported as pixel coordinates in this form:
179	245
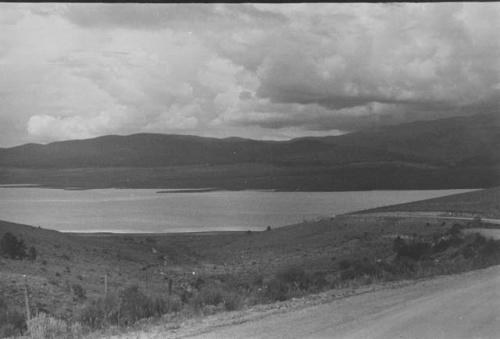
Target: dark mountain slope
471	140
155	150
468	141
459	152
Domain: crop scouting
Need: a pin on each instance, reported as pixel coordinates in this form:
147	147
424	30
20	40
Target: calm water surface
145	210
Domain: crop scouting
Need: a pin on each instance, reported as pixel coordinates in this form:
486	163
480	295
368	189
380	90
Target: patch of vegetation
124	308
46	327
293	282
12	247
12	321
78	291
216	295
32	254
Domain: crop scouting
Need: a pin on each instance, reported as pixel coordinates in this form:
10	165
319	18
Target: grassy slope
483	202
65	259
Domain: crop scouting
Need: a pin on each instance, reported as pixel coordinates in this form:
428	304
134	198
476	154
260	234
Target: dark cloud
255	70
174	16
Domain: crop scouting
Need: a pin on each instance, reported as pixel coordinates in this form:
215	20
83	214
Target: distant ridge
458	152
450	142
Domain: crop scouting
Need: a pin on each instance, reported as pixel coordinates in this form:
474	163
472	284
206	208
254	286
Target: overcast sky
262	71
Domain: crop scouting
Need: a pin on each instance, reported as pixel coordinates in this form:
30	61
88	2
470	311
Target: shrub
441	245
344	264
129	306
415	249
134	305
99	312
285	284
12	247
232	301
12	322
489	247
318	280
456	230
277	290
398	244
258	281
78	291
166	305
45	327
213	295
361	268
32	253
295	276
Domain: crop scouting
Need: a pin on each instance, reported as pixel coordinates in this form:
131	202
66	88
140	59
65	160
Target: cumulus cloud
49	127
253	70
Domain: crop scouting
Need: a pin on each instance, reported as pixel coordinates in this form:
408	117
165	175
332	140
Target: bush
100	312
213	295
134	305
489	248
362	268
45	327
286	284
129	306
167	305
295	276
344	264
441	245
32	253
232	301
12	322
277	290
78	291
398	244
415	250
456	230
12	247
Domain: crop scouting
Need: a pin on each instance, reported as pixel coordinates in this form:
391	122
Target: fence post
26	299
105	284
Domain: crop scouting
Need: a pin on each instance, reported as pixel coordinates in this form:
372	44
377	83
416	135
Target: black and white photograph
250	170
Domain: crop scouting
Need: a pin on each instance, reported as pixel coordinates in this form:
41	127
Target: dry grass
45	327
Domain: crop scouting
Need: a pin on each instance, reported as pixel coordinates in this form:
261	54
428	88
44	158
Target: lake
146	210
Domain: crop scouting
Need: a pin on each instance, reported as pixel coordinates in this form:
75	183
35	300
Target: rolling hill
156	150
458	152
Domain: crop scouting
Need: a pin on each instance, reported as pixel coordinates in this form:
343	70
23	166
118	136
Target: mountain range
451	148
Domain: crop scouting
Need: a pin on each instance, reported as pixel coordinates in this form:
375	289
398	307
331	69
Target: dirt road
459	306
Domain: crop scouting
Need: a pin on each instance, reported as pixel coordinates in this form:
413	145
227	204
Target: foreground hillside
457	152
174	277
